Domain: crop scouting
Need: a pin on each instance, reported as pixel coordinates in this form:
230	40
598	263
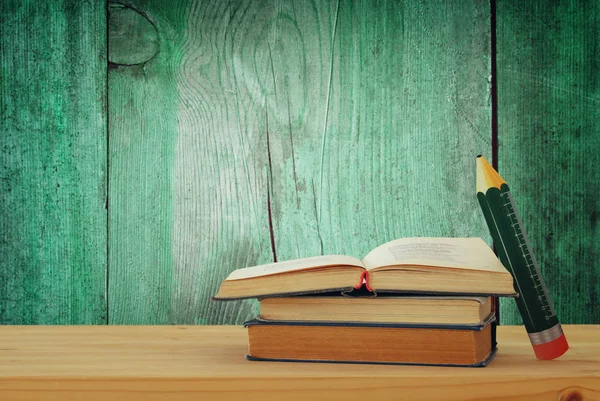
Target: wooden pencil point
487	176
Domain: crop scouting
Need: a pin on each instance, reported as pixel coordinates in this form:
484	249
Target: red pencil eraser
552	349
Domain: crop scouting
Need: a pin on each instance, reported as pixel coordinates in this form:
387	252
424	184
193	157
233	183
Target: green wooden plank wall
52	162
187	195
339	124
549	121
245	131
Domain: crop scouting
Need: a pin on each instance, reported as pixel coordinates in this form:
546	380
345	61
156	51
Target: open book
408	265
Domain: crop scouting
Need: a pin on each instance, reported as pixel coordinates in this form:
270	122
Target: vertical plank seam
494	84
107	125
494	117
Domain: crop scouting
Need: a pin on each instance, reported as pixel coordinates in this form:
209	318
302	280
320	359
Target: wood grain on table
193	362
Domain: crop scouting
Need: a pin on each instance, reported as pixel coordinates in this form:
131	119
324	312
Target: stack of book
422	301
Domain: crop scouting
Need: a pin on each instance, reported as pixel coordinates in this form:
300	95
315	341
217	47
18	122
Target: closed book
409	344
437	310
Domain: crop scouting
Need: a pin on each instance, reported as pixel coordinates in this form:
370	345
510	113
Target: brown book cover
403	344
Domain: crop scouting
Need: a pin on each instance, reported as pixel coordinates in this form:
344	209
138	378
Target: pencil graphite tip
487	177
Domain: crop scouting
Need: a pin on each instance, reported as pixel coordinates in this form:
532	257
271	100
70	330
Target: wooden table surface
208	363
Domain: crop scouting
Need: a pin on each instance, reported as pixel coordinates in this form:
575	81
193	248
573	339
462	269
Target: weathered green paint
142	129
349	124
186	204
132	39
376	113
549	117
52	162
356	123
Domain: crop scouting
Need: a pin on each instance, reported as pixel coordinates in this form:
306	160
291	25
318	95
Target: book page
294	265
459	253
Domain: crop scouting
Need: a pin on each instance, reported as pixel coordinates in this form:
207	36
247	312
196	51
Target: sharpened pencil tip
487	177
478	156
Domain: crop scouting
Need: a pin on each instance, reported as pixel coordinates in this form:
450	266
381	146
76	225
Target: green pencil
540	320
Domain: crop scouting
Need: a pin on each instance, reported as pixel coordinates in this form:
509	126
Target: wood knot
132	38
571	394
